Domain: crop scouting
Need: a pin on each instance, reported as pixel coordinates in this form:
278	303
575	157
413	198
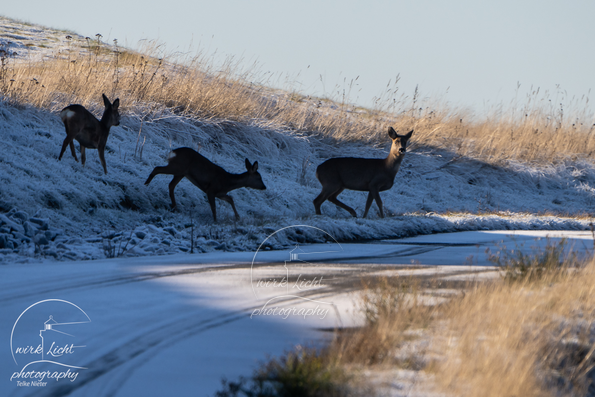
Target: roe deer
367	175
207	176
90	133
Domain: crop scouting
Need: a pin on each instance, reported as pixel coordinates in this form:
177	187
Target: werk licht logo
47	343
289	283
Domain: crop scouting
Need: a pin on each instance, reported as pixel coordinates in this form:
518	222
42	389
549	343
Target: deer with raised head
366	175
207	176
90	133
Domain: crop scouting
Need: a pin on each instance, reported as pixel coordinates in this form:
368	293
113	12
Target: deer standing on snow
90	133
366	175
207	176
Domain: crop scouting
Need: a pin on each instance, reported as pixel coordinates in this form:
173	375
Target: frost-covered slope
89	214
65	211
24	40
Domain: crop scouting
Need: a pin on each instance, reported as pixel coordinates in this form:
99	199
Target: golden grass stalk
392	307
148	82
530	335
504	340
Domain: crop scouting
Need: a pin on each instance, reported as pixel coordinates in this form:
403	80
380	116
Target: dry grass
148	82
392	307
531	335
521	339
528	335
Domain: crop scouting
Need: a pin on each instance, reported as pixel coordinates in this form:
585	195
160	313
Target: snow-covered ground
166	322
175	325
52	209
34	42
59	209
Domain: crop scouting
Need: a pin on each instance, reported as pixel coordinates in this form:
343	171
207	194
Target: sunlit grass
149	81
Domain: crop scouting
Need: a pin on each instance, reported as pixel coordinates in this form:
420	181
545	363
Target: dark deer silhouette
367	175
91	133
207	176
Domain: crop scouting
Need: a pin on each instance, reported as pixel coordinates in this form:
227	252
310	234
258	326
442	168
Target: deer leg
211	198
318	202
156	171
172	185
322	197
333	199
83	154
101	151
67	141
368	203
229	199
73	151
168	169
379	203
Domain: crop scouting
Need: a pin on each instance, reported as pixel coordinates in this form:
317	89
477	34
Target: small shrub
303	372
516	266
391	308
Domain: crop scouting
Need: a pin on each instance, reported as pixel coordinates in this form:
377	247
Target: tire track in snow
115	367
134	353
86	282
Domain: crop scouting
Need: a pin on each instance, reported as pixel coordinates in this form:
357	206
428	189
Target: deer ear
116	103
408	135
255	166
392	133
106	101
248	165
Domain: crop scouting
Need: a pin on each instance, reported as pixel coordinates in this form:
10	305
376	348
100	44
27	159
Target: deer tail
171	156
66	114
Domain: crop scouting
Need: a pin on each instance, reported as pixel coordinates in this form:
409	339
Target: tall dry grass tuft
532	337
148	81
392	308
518	266
302	372
529	333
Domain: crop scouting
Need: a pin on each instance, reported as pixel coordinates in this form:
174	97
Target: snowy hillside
32	41
59	209
89	215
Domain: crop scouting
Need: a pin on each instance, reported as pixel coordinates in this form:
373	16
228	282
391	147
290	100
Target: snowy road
175	325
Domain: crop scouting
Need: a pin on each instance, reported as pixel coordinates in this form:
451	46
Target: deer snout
402	150
259	185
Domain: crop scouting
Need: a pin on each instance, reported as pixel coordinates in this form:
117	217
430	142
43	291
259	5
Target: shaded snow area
62	210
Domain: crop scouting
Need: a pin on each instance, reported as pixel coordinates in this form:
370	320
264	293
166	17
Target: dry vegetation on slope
540	129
